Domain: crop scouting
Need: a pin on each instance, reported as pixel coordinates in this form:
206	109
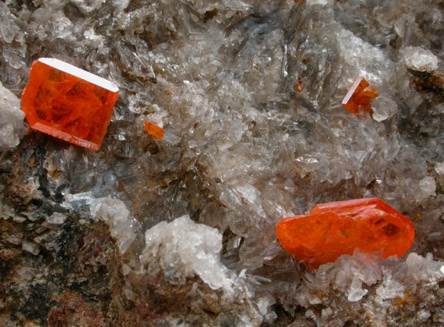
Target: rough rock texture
11	120
249	94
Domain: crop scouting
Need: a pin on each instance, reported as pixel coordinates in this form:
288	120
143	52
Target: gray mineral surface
180	231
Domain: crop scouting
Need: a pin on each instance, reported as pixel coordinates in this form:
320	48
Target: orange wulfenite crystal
153	130
337	228
69	103
358	98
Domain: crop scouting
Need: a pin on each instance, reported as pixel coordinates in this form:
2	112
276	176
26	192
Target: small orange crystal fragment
358	98
153	130
337	228
68	102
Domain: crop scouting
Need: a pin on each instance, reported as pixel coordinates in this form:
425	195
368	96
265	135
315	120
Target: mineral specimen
154	130
337	228
69	103
358	98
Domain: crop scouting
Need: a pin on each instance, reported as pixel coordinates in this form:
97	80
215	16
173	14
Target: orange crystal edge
153	130
65	136
320	210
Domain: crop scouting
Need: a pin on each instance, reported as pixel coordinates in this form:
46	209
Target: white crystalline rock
123	227
248	192
30	247
368	61
11	120
356	292
8	30
383	108
263	305
423	269
423	315
389	289
88	6
121	4
57	218
326	313
318	2
439	168
419	59
349	274
183	248
426	188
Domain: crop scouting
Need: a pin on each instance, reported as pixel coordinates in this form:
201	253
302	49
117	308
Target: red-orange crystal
69	103
153	130
358	98
337	228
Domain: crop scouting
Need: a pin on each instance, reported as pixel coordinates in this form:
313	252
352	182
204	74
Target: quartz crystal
358	98
69	103
123	227
419	59
184	248
11	120
337	228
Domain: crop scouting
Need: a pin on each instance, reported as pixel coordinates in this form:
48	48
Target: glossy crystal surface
69	103
337	228
153	130
358	98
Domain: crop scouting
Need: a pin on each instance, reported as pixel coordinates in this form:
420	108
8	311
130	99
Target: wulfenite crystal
358	98
154	130
337	228
69	103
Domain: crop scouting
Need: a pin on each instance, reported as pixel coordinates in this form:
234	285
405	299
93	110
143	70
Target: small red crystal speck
68	102
153	130
337	228
358	98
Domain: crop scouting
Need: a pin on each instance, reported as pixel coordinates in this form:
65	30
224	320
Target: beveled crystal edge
80	73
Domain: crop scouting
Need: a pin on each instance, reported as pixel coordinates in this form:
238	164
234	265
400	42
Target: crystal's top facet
337	228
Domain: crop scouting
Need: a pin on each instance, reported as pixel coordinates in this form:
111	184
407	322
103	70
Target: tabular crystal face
69	103
154	130
358	98
337	228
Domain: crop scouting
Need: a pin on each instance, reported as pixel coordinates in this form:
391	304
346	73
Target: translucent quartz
337	228
153	130
358	98
69	103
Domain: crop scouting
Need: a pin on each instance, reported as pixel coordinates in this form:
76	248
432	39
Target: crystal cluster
333	229
69	103
184	248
